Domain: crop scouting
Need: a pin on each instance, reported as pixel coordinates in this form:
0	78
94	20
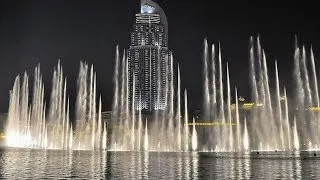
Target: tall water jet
254	91
94	113
298	80
213	136
178	115
279	109
171	99
306	79
299	92
140	124
229	111
123	83
261	83
246	140
99	124
287	119
122	113
269	127
69	130
90	104
104	136
86	108
238	122
186	126
12	129
115	103
81	103
30	122
146	138
194	140
206	98
116	81
252	72
127	108
28	125
213	99
296	142
65	123
133	113
159	104
315	79
222	140
37	107
164	116
24	106
316	94
71	138
267	102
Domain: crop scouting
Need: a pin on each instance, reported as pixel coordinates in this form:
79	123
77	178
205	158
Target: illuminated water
39	164
268	120
28	125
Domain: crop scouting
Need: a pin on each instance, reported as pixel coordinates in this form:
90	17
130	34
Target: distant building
149	58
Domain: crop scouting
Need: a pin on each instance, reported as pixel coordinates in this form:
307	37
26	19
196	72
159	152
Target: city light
211	124
315	109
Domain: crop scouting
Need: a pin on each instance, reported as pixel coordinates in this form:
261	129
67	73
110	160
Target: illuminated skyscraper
149	58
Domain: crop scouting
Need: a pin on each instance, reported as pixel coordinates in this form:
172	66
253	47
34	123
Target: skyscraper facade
149	60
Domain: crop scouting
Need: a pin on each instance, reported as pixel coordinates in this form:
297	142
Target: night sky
38	31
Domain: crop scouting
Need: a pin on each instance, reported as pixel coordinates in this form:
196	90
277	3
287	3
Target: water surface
28	163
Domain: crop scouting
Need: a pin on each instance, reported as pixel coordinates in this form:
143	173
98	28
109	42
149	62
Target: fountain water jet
146	138
186	126
261	124
194	141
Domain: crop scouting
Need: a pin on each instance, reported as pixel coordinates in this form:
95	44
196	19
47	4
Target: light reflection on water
31	164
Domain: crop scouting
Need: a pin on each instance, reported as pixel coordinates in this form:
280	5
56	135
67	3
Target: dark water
39	164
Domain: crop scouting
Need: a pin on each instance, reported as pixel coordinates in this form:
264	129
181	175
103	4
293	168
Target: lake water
39	164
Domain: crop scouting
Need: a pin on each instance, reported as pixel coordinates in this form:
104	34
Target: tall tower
149	59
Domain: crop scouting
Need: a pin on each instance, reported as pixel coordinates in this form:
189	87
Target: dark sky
38	31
